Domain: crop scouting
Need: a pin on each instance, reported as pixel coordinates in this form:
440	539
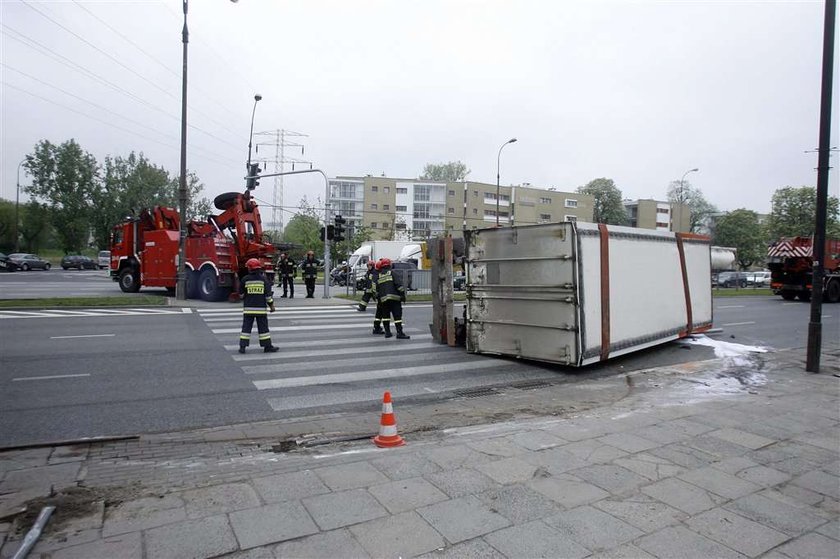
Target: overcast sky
639	92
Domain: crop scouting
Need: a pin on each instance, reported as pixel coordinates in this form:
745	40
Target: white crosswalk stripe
82	313
328	359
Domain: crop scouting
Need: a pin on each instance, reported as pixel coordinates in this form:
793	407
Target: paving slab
407	494
643	512
124	546
142	514
508	470
290	486
537	440
326	545
594	451
613	478
555	460
535	539
652	467
403	535
742	438
463	518
777	513
456	456
720	483
567	490
404	466
336	510
229	497
519	503
831	529
41	478
593	528
460	482
626	551
476	548
809	546
681	495
202	538
350	476
762	475
628	442
678	541
684	455
819	482
271	524
736	532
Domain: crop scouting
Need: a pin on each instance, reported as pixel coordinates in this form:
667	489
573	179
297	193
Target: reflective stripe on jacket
388	287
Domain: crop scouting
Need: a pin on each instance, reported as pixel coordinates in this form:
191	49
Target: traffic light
330	231
252	181
338	235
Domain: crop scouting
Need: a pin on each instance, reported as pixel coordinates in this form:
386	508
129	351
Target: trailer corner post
812	361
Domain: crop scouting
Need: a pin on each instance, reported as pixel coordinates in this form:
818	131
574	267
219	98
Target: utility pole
280	142
181	282
812	361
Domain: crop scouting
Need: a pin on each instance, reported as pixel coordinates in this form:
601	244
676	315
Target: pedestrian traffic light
338	235
330	231
252	181
323	238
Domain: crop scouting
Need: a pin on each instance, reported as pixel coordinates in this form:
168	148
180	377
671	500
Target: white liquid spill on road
737	353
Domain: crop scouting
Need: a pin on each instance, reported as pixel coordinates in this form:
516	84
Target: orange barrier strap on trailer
681	249
605	291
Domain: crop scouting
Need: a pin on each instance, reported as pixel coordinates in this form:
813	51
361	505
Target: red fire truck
144	250
790	261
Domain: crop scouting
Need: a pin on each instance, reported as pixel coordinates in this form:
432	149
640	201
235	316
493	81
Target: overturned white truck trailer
579	293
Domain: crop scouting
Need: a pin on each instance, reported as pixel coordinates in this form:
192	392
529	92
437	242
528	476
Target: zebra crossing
64	313
330	361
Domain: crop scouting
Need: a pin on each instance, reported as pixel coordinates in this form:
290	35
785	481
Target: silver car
104	259
28	262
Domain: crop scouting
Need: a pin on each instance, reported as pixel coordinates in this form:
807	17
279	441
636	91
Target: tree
197	207
741	229
794	213
64	178
453	171
7	225
34	226
304	230
700	209
609	207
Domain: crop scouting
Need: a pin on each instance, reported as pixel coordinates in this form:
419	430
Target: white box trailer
579	293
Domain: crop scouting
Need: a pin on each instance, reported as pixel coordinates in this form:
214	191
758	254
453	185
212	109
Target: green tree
7	225
700	209
34	226
794	212
64	178
445	172
197	206
304	230
609	207
740	229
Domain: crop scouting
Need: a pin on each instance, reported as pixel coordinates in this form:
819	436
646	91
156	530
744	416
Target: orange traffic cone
388	436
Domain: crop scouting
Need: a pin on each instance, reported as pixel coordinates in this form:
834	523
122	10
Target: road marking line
186	310
72	313
732	307
738	323
365	324
353	342
281	367
285	316
85	336
279	308
51	377
383	348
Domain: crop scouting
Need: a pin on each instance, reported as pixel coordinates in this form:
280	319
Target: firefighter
391	295
309	271
255	290
378	315
287	269
367	284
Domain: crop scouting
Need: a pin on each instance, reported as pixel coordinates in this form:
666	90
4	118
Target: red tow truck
790	261
144	249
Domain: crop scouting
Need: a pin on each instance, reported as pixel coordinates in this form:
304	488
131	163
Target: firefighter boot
388	333
271	349
242	349
361	308
377	330
400	334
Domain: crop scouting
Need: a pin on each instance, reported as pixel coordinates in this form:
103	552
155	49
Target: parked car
28	262
104	259
459	281
7	264
78	261
758	279
732	279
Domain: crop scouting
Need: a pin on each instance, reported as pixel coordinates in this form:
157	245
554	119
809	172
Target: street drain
530	384
475	392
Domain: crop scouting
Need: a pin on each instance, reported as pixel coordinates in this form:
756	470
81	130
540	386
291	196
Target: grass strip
50	302
745	292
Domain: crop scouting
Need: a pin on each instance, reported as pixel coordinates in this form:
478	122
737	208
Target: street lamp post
680	199
17	206
498	160
257	99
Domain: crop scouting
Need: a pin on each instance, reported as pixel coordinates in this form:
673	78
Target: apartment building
396	208
658	215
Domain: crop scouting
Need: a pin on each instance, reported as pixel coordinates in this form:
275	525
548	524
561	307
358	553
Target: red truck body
790	261
144	250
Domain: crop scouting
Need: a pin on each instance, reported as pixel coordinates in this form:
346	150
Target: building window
384	224
402	190
571	203
545	200
489	213
402	208
663	225
545	217
489	196
475	193
386	206
475	211
400	226
451	210
571	218
504	198
422	193
662	210
386	189
373	225
374	206
374	189
452	193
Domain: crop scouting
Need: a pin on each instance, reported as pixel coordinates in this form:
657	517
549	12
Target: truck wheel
208	286
832	291
788	295
129	281
805	296
226	200
192	284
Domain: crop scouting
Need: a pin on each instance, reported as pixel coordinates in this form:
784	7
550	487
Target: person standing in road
367	286
287	268
377	317
391	294
256	293
309	271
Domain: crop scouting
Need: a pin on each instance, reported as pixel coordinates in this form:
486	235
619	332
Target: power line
126	67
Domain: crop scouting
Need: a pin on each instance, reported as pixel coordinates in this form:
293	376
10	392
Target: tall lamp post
498	160
680	199
17	205
257	99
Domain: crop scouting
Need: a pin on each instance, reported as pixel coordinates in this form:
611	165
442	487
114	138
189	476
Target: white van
104	259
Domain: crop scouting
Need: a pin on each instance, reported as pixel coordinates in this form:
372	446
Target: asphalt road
67	377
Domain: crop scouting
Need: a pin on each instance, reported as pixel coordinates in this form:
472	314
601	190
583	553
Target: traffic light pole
326	216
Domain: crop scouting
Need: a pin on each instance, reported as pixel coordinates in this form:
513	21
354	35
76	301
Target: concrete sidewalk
734	457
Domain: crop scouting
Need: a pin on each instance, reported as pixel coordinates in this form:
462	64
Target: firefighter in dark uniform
287	269
255	290
309	271
391	295
367	284
377	317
